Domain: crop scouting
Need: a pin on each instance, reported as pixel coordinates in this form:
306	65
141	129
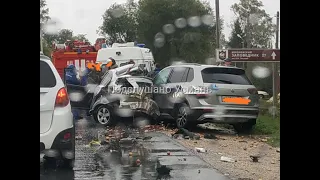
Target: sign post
253	55
248	55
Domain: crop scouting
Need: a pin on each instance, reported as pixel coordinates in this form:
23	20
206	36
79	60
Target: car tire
182	118
50	162
68	163
261	96
244	128
103	115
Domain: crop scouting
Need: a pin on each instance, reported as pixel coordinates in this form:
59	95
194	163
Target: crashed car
103	102
94	99
137	96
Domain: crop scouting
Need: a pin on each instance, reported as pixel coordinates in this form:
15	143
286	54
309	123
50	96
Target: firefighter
71	78
71	75
111	63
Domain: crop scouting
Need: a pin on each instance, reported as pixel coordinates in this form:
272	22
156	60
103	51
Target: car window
47	78
177	74
225	76
190	75
162	76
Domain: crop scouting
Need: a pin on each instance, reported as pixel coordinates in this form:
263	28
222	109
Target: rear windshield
225	76
47	78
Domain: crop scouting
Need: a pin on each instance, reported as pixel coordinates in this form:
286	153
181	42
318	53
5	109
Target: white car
57	130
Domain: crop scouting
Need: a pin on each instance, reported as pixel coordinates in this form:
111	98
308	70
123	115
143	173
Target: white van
122	53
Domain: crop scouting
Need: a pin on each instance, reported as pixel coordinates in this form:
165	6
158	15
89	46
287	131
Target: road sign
248	55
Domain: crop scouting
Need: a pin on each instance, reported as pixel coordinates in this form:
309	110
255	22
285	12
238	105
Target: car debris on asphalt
227	159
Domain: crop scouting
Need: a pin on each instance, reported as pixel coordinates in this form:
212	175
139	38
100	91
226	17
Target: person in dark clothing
71	75
228	62
131	61
71	78
157	69
153	73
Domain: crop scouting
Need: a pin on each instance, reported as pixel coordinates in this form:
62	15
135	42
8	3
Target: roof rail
196	64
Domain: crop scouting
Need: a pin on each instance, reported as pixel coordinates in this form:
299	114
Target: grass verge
266	125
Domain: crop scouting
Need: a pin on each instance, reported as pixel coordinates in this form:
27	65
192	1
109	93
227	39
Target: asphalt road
151	151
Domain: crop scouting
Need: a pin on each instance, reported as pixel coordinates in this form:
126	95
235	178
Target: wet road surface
102	164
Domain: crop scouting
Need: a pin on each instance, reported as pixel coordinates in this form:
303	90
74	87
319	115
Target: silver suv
193	94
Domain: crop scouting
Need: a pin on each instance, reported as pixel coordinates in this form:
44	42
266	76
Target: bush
266	125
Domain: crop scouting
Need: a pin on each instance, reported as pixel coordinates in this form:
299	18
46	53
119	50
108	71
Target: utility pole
217	24
41	44
277	30
274	68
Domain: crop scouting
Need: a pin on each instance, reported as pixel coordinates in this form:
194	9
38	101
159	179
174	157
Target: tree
81	37
64	35
119	24
258	30
44	17
44	11
255	22
192	44
236	40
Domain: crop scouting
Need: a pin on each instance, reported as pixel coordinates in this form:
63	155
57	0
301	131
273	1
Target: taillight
67	136
200	96
62	98
252	91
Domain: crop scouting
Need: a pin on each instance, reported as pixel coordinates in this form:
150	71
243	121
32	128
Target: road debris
200	150
94	143
255	158
163	170
243	141
78	137
184	132
210	136
146	138
178	136
227	159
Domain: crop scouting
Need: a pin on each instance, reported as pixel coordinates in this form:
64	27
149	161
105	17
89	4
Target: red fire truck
75	52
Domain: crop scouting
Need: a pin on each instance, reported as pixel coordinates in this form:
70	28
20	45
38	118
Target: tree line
60	37
179	29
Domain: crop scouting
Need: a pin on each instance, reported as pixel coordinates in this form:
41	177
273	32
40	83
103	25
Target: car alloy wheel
182	117
103	115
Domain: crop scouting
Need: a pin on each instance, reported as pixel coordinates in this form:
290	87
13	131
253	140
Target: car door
159	83
175	83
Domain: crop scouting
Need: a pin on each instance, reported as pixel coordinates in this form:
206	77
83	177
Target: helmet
110	62
71	66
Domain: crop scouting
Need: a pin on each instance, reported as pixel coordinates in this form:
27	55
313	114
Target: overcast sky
85	16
